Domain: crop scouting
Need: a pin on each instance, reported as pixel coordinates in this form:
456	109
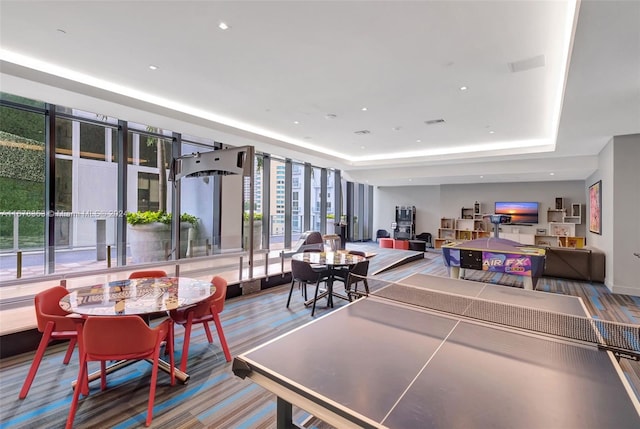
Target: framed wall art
595	207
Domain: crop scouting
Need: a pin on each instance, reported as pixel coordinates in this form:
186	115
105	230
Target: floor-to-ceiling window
297	201
87	190
277	204
86	209
22	184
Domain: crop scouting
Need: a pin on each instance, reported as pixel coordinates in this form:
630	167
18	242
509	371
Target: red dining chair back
147	274
204	312
54	325
102	340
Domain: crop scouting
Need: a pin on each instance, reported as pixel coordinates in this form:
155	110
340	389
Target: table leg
454	272
284	414
182	377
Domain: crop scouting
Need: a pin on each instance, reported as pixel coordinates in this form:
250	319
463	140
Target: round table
332	260
142	297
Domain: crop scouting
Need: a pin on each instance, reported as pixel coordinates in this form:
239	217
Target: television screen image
520	212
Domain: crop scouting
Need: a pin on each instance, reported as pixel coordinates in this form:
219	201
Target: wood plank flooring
214	397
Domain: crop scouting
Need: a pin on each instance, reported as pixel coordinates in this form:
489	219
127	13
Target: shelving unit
561	215
556	215
452	230
575	214
575	242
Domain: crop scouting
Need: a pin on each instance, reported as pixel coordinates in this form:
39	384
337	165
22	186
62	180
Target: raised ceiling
525	89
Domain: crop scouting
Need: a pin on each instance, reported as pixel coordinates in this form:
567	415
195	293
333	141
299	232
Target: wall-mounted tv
520	212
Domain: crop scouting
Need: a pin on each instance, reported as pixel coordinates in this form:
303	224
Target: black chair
341	274
382	233
426	237
312	242
304	274
357	274
314	237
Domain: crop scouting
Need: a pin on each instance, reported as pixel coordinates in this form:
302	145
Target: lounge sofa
586	264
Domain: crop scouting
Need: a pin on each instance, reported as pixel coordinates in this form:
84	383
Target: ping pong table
382	363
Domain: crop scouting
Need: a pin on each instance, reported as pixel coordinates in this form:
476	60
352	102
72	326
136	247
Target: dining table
144	297
335	262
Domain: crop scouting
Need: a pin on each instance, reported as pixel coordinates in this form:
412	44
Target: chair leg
103	375
366	286
208	332
223	340
72	344
315	298
185	345
82	375
293	282
152	387
44	342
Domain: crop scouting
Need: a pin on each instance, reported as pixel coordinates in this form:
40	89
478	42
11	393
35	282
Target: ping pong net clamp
623	340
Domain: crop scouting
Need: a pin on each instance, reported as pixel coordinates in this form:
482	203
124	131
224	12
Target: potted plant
150	234
257	230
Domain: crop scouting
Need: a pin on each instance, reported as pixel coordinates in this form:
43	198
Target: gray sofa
587	264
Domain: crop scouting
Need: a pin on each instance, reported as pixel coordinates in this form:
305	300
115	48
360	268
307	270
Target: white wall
434	202
626	224
426	199
604	241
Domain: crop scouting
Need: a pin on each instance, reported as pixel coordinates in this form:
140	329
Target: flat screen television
520	212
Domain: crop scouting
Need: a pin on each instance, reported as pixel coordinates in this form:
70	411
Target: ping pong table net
620	338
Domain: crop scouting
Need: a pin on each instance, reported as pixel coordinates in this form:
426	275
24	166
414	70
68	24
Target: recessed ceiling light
296	122
362	147
364	109
492	132
463	88
418	141
223	26
482	177
152	67
552	174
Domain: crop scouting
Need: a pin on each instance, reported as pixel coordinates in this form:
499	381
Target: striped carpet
214	397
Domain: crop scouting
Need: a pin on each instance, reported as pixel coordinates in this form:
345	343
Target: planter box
149	242
257	235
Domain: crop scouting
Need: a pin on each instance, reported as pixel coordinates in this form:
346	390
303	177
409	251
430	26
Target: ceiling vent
434	121
528	64
362	132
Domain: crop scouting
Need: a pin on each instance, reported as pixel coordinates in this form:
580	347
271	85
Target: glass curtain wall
297	201
86	209
277	204
84	193
149	196
315	203
22	187
332	217
200	197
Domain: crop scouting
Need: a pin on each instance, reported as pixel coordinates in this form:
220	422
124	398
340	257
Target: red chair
54	325
105	338
203	312
147	274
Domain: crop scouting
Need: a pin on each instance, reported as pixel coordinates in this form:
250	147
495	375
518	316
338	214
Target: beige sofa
587	264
